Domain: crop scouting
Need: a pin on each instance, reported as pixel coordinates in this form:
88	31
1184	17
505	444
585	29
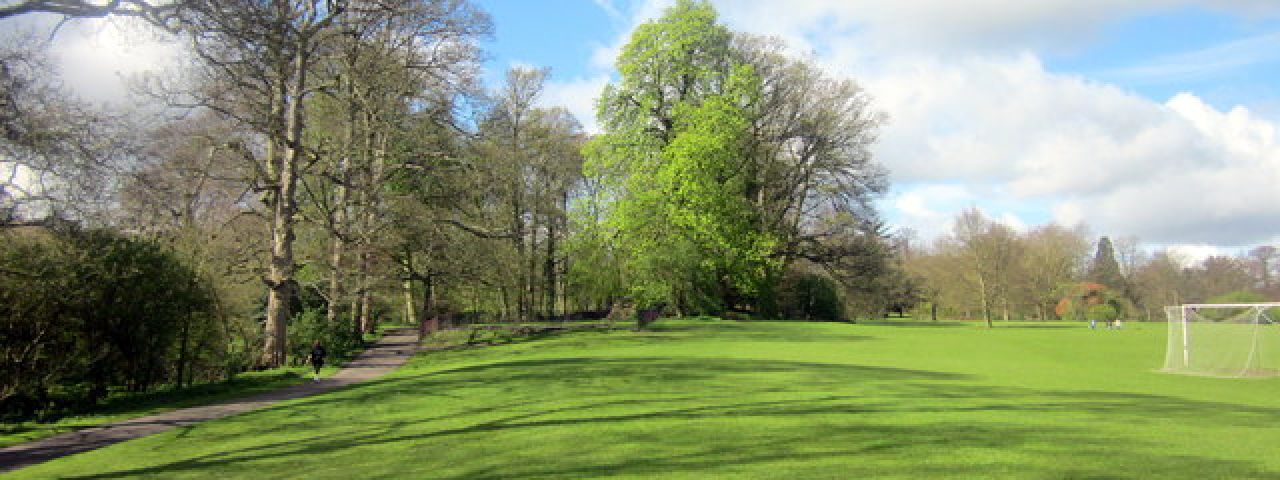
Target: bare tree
1054	256
991	252
160	13
810	148
254	64
1262	262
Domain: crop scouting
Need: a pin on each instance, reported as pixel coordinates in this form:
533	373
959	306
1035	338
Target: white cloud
1222	191
1189	255
1008	121
1068	213
521	65
1013	221
971	104
603	56
96	57
1202	62
609	9
949	26
579	96
930	210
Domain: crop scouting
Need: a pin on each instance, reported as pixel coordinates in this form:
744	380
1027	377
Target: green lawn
727	399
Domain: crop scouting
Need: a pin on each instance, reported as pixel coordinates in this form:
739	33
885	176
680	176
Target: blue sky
565	34
561	34
1150	118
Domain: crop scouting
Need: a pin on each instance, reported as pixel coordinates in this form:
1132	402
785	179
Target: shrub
84	311
1104	312
808	296
339	338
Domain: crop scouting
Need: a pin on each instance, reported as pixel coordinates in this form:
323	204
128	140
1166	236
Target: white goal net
1224	340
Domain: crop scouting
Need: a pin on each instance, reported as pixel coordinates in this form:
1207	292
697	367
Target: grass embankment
769	399
124	406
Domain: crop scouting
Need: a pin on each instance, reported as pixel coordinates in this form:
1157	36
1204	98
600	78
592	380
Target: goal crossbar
1231	305
1224	350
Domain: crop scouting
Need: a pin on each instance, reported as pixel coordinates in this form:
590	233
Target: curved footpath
395	347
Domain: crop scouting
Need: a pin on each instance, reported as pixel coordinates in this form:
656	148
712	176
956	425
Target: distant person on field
317	358
1117	324
1093	324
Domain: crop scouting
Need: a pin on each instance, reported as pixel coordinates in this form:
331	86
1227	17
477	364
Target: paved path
396	346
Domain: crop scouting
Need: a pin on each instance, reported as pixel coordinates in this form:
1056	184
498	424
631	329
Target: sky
1155	119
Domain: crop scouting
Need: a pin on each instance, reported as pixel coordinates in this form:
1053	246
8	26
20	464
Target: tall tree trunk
368	321
410	311
428	305
549	271
522	278
365	312
531	269
282	236
338	239
506	303
986	302
183	358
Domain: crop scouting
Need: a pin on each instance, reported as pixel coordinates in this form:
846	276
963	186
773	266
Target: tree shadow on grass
1024	325
915	323
770	331
830	417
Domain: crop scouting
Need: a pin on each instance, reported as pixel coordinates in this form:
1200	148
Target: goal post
1224	339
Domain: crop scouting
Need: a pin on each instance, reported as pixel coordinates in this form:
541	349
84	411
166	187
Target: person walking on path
317	359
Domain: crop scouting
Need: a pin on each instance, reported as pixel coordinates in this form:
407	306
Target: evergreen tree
1105	269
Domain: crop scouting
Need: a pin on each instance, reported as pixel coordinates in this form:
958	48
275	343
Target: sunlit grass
712	398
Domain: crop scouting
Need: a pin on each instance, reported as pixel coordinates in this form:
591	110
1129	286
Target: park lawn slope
700	398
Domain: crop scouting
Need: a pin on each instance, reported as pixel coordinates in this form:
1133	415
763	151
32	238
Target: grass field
759	400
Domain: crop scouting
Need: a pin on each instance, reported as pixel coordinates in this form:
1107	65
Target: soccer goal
1224	340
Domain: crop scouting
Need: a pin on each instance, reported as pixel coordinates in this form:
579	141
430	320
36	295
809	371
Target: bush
339	338
808	296
85	311
1103	312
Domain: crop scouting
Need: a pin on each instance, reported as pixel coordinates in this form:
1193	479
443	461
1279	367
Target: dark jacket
317	355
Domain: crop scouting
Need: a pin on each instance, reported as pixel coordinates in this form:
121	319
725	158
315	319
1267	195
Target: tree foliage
724	161
85	310
1105	269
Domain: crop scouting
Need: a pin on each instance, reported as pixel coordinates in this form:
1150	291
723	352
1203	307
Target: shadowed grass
126	406
753	399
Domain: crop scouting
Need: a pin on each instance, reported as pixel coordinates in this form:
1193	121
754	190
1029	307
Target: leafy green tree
672	159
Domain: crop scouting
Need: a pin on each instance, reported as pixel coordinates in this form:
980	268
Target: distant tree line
987	270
